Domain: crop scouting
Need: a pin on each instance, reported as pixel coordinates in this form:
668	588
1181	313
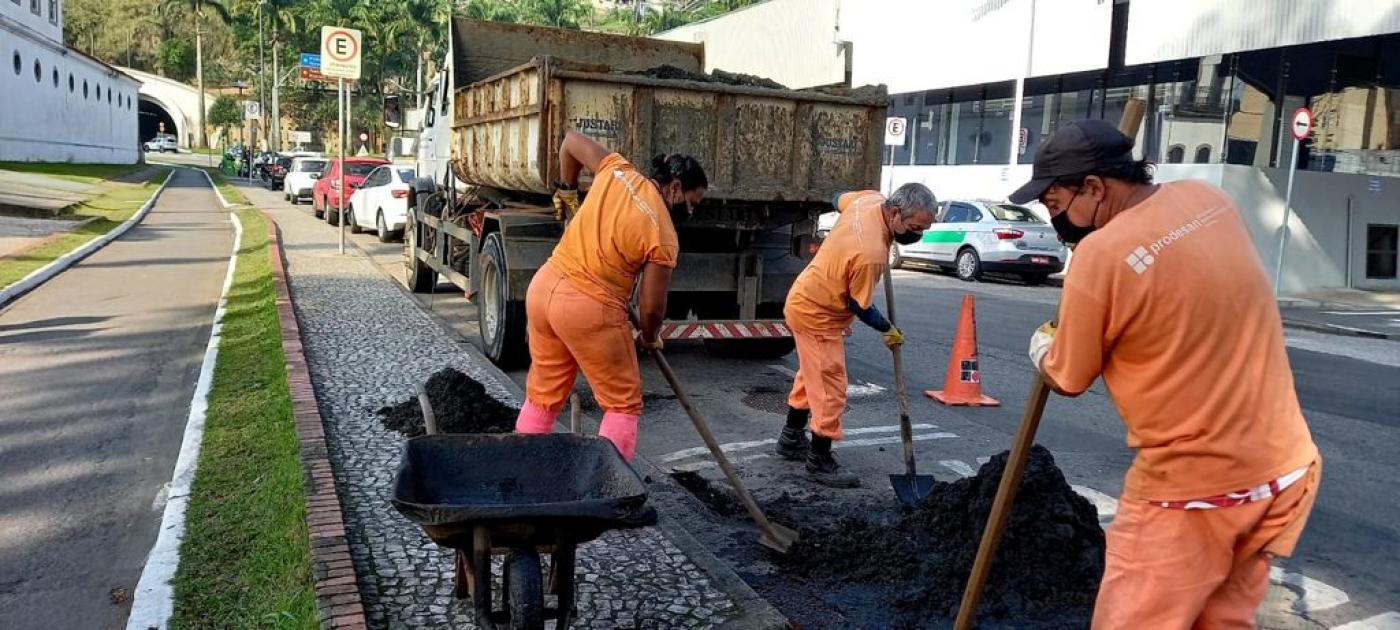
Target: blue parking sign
310	60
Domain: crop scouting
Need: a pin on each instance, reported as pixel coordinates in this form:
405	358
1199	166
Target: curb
218	193
1335	329
43	274
337	583
756	613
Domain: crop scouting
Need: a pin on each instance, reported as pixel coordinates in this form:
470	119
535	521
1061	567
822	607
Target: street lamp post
262	65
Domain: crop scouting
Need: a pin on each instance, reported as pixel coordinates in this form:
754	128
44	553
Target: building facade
56	103
984	82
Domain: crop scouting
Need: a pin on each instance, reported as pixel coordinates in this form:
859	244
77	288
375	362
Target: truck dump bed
757	144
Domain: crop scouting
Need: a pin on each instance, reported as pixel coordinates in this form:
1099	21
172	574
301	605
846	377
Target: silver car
976	237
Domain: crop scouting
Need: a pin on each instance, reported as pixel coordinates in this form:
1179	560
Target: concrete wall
45	120
41	18
793	42
1319	250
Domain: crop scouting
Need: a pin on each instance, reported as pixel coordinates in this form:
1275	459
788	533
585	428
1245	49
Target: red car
326	199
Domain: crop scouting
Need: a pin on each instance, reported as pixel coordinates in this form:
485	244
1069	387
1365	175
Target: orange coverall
1172	307
577	303
849	264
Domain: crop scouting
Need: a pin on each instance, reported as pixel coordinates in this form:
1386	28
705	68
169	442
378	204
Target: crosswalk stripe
732	447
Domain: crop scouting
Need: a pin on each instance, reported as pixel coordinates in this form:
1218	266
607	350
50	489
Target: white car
162	144
381	202
972	237
302	176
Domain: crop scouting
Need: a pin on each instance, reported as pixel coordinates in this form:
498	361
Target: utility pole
262	66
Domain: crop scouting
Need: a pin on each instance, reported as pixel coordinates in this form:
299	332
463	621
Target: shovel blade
777	538
911	489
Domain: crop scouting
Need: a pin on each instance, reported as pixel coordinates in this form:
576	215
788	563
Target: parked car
301	177
327	199
162	144
275	171
382	201
973	237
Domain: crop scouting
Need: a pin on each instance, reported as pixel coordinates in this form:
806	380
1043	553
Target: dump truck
488	160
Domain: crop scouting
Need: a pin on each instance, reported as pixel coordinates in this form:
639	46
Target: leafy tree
175	59
198	8
225	112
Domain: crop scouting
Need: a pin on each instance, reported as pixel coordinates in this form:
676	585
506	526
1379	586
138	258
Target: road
1346	385
98	366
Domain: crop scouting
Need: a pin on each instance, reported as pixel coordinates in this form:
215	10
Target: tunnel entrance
150	116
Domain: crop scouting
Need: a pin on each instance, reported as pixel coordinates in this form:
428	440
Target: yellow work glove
647	345
893	338
565	203
1040	343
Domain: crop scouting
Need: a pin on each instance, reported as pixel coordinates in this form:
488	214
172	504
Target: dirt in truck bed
460	404
1047	567
670	72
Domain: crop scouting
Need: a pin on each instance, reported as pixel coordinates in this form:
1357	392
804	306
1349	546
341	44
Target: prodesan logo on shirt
1141	259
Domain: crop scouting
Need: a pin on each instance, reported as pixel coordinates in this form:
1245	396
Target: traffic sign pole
1301	127
342	200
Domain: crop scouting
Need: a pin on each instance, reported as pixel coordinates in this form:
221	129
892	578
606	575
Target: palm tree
282	18
427	20
198	7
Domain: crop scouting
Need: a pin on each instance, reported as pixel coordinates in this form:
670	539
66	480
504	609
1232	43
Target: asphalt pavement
98	367
1342	572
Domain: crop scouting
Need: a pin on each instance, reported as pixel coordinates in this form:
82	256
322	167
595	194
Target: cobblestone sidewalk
368	345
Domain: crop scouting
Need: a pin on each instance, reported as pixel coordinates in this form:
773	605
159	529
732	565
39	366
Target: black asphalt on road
98	367
1347	387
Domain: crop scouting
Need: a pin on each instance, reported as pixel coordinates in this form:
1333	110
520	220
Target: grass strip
246	560
231	194
81	173
117	202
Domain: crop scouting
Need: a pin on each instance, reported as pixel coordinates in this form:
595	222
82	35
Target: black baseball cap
1080	146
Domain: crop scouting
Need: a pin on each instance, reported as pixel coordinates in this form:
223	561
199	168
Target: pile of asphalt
667	71
1047	567
460	405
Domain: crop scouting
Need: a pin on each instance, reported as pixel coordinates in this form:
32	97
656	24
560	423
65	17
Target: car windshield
1004	212
359	169
311	166
406	175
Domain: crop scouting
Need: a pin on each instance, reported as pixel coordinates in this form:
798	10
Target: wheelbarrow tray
529	489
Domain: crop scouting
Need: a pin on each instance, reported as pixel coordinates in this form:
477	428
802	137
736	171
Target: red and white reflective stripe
1230	499
724	330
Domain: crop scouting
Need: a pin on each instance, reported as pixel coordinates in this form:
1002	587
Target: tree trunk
419	73
276	109
199	77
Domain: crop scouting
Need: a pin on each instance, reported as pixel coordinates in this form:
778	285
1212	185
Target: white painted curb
217	192
154	601
43	274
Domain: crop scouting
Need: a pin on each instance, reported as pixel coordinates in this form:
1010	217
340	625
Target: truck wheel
500	318
421	278
524	588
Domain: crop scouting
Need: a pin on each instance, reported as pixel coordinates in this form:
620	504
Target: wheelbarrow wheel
525	590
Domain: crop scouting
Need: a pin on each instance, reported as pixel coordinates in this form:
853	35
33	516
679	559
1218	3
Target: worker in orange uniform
1169	303
835	289
577	302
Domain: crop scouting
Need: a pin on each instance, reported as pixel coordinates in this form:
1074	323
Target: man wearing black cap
1169	303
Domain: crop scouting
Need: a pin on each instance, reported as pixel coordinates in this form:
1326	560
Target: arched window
1176	154
1203	154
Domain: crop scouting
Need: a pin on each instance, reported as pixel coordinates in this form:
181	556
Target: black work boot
823	469
792	442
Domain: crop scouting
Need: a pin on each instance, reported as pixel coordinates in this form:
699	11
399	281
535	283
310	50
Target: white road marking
853	390
983	460
958	466
1389	620
732	447
1105	505
918	437
1370	313
1316	595
154	602
162	495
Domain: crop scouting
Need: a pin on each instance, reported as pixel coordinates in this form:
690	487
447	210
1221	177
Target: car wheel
316	210
354	223
1034	279
382	228
896	261
969	265
332	214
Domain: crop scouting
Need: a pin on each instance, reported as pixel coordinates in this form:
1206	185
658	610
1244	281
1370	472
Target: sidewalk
368	345
1373	314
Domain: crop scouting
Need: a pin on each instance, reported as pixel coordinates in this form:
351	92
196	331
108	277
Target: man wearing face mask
576	306
837	287
1168	303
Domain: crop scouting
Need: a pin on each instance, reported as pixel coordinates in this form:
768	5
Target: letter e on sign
340	52
895	128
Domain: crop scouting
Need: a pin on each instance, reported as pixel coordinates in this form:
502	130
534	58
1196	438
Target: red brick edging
337	590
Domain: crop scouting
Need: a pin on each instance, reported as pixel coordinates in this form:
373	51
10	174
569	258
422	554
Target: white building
56	103
1221	79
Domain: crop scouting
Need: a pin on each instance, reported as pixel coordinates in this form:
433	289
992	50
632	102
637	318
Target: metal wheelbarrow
519	496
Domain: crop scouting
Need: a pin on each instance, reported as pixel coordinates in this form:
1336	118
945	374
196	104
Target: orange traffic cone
963	383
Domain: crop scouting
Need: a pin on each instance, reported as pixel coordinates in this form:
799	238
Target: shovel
772	535
910	487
